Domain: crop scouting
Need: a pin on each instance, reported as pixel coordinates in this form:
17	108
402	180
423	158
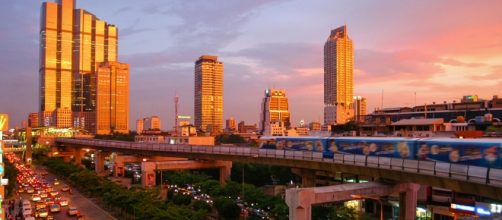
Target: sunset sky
441	50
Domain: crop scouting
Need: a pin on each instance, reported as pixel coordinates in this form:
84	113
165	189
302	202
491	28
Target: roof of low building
421	121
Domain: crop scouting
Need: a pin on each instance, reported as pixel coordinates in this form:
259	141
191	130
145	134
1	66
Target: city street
86	208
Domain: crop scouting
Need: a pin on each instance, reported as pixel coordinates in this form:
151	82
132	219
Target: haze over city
439	50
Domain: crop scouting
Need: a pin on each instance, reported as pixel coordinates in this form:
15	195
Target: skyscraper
359	108
338	77
112	98
208	94
73	43
56	57
274	109
231	124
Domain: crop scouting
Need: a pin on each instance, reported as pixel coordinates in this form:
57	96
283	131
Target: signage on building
4	122
184	117
4	182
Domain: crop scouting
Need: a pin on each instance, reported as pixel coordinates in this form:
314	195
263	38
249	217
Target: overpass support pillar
408	201
99	161
77	155
308	176
300	203
225	172
148	173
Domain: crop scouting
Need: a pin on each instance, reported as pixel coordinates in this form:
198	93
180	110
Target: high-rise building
274	108
151	123
231	124
72	44
359	108
139	126
112	98
208	94
33	120
338	77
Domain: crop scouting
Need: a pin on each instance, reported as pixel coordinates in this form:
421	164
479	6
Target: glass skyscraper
73	43
338	77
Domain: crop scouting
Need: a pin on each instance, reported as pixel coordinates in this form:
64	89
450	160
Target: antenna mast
176	101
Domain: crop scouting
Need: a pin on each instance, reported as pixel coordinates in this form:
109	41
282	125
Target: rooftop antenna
381	105
176	101
415	99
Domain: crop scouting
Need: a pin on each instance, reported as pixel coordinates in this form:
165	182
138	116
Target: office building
231	124
274	108
151	123
208	94
139	126
33	120
72	44
338	77
112	98
359	108
243	128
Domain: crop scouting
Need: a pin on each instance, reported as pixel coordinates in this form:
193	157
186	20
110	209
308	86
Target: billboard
4	122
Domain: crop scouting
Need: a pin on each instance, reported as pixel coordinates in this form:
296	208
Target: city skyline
443	52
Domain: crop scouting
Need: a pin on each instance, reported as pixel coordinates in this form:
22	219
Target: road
86	207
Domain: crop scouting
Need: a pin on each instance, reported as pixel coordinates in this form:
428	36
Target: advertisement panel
398	148
4	122
478	153
303	144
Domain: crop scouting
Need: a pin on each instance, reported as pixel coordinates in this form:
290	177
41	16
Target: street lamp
367	197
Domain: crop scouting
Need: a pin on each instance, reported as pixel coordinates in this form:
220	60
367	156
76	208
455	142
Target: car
65	188
27	211
42	213
80	217
63	202
43	195
20	190
49	201
55	208
72	211
35	197
54	193
49	217
40	205
56	182
30	190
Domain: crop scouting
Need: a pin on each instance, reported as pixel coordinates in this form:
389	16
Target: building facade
208	94
151	123
338	77
139	126
112	98
359	108
274	108
73	42
231	124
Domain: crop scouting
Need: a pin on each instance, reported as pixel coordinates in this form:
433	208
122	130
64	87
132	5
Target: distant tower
274	109
338	77
208	94
176	101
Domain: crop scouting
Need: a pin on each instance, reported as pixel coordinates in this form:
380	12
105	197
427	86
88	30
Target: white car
27	211
35	198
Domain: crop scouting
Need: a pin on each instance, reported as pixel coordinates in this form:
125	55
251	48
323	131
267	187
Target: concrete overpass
481	181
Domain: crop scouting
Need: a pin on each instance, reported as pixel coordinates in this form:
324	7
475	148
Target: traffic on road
40	196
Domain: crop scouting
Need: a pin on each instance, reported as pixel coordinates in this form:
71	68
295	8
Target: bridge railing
483	175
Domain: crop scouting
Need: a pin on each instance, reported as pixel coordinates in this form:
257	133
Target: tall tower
208	100
338	77
112	98
56	56
274	109
359	108
73	43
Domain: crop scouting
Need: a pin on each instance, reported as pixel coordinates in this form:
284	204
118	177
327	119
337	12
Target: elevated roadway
475	180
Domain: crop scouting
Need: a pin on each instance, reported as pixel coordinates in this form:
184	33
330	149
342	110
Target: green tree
227	208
